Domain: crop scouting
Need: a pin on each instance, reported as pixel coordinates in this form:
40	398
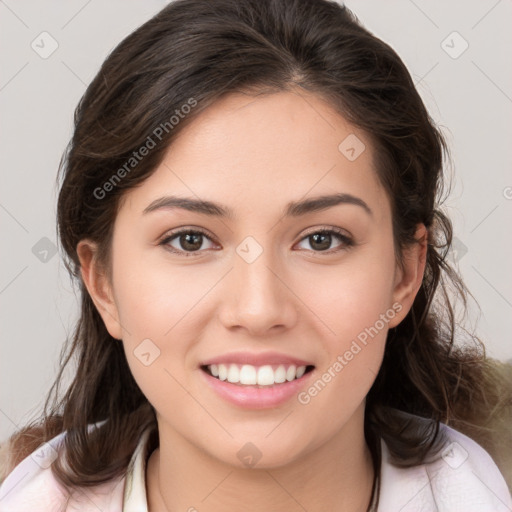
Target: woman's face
260	280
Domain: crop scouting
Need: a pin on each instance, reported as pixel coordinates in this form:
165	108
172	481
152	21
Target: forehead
250	152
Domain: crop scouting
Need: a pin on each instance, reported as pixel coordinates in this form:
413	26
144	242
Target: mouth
265	376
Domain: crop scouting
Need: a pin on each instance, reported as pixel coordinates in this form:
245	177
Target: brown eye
191	241
185	241
320	241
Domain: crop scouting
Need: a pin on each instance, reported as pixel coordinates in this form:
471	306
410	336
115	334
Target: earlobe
99	287
409	278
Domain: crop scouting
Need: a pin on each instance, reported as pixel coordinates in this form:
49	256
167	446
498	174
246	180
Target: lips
267	393
261	369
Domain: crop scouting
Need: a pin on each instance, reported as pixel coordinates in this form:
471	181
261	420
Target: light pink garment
463	479
31	486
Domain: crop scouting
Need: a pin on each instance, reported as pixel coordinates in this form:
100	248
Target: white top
463	479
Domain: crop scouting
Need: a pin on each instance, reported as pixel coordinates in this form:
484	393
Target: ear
99	287
409	278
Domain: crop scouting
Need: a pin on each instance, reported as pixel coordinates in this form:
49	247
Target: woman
250	203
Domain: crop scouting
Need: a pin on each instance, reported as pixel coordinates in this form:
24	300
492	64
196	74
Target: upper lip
259	359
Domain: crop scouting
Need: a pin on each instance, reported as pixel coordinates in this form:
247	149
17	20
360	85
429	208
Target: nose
258	297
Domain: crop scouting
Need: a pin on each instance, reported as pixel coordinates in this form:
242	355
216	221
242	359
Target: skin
254	155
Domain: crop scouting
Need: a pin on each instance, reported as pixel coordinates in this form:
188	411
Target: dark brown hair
192	53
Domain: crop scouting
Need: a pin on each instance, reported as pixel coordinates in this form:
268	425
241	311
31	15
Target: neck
337	475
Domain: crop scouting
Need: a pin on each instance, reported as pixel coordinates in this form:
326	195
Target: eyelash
347	242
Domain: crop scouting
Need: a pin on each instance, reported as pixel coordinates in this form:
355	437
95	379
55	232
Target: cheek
357	305
354	305
161	307
352	297
358	318
153	298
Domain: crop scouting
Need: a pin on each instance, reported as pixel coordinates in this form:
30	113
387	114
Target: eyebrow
292	209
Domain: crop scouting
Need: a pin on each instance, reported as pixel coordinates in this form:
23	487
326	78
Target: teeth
280	375
233	373
260	375
266	376
223	372
248	375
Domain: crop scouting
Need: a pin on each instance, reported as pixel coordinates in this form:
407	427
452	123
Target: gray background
467	92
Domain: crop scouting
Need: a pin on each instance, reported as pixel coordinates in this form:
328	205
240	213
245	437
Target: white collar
135	498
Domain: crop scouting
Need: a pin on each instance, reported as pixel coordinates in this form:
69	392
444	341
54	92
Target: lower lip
252	397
